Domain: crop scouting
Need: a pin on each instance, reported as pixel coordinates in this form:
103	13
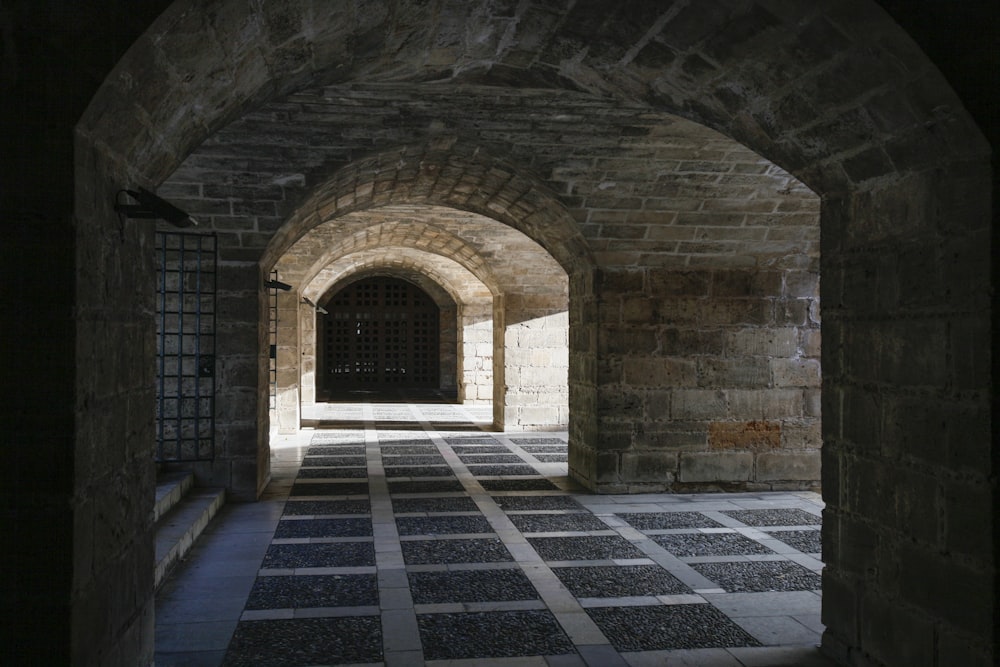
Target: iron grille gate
381	333
185	346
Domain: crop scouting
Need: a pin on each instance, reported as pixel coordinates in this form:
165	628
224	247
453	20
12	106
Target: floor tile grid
470	482
401	643
570	615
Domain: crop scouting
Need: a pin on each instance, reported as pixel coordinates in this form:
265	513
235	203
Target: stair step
177	529
170	488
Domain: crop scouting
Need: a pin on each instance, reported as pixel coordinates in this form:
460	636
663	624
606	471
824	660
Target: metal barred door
381	333
185	346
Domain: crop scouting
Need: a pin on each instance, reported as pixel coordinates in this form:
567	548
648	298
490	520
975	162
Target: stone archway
868	124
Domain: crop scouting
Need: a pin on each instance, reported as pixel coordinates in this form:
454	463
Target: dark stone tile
333	473
418	471
710	544
553	523
545	449
552	458
330	489
491	458
337	450
663	520
306	641
491	635
806	541
538	441
408	450
776	517
605	581
663	627
584	548
413	460
447	504
535	484
760	577
471	586
420	486
481	550
300	591
442	525
330	461
470	440
481	449
341	554
518	503
310	507
323	528
500	470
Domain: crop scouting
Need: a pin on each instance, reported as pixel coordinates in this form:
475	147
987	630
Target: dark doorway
381	334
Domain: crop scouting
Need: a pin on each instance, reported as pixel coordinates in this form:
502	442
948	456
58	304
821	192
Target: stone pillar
475	333
292	318
908	529
536	342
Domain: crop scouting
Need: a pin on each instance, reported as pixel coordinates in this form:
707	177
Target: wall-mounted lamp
319	309
277	284
151	206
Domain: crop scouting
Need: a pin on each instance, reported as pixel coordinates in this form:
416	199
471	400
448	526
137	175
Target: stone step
179	527
170	488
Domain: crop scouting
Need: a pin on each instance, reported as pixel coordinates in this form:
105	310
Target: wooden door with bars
381	334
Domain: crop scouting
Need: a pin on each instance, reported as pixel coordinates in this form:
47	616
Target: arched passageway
838	99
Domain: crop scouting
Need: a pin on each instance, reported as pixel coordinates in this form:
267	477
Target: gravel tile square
330	489
481	449
336	450
536	484
424	552
449	504
545	449
664	520
418	471
492	635
552	458
665	627
419	486
538	441
327	590
759	577
288	528
518	503
554	523
471	586
341	554
490	458
500	470
407	450
585	548
327	461
470	440
442	525
777	517
310	507
279	643
333	473
612	581
806	541
412	460
710	544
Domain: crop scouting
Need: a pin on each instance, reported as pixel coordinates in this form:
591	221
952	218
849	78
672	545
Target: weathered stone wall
708	380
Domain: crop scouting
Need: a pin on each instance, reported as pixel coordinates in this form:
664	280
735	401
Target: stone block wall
708	380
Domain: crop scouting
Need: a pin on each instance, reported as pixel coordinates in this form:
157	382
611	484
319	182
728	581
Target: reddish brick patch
756	435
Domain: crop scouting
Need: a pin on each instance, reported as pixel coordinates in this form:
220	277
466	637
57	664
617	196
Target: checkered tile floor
442	544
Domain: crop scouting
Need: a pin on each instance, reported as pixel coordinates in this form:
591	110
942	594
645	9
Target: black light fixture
152	206
320	309
277	284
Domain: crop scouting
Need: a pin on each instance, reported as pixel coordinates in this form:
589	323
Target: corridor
406	534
